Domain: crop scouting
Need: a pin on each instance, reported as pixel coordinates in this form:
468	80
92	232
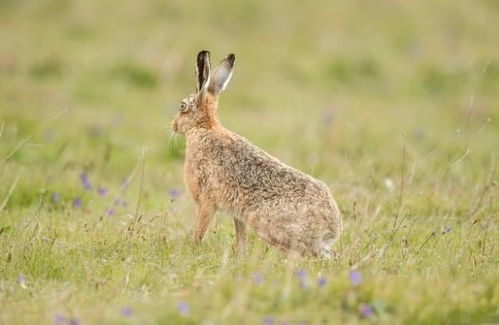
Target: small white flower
389	184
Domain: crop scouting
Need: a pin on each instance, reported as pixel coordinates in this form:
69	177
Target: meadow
393	104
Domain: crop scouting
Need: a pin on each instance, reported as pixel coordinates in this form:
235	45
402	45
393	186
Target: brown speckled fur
284	206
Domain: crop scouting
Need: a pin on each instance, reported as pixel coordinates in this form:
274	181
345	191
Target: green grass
395	105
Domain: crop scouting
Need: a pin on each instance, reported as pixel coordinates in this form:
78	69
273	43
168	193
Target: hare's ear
221	75
202	70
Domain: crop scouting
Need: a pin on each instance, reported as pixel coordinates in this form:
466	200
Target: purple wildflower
59	319
111	212
102	191
118	201
74	321
355	278
125	182
183	308
55	197
268	320
174	193
126	311
22	281
366	311
301	274
258	278
447	229
322	281
85	182
302	278
77	202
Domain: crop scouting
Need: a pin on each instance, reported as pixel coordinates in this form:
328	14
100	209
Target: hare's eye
183	106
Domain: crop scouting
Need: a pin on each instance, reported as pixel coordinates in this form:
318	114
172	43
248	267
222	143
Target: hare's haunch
284	206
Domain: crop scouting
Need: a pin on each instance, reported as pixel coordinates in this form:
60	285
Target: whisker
175	142
170	138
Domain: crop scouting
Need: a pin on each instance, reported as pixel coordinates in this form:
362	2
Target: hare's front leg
204	215
240	246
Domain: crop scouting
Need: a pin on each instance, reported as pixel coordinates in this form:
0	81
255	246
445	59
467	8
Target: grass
393	104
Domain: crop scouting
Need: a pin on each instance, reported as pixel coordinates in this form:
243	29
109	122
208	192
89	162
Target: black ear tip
203	53
231	58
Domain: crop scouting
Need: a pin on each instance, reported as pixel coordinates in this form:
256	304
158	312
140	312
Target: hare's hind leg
240	246
205	213
285	236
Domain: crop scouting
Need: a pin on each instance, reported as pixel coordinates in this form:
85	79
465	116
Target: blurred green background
360	74
365	95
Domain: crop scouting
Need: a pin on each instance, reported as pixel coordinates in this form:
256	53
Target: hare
284	206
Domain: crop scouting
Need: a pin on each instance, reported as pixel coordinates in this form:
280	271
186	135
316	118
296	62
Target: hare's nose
174	125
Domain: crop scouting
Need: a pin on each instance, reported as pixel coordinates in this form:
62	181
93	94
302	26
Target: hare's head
199	110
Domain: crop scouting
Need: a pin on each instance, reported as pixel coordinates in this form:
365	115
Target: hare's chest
197	174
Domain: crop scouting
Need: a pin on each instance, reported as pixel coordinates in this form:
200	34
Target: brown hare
284	206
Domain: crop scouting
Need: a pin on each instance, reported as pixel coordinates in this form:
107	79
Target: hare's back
247	168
